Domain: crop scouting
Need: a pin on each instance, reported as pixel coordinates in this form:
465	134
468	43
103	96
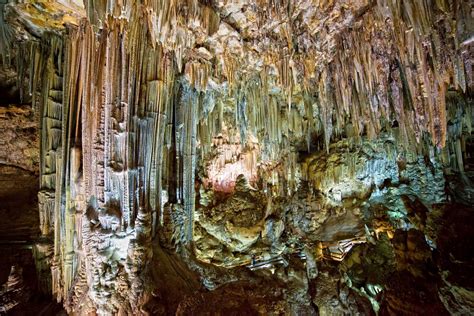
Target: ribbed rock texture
270	157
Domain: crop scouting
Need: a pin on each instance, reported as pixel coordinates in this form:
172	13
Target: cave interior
236	157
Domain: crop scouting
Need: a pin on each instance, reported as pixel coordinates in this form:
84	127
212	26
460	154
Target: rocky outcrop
235	225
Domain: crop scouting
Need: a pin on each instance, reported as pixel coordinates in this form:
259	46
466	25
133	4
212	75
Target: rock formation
243	157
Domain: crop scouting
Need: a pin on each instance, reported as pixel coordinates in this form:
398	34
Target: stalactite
187	119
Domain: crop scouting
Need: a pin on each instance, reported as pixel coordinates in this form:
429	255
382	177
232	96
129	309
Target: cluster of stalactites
174	25
383	63
460	119
391	63
105	101
392	69
398	67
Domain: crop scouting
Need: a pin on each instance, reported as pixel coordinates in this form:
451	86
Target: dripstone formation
244	157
